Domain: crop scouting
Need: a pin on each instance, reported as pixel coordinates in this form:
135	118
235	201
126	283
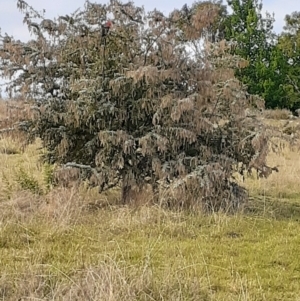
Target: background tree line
273	70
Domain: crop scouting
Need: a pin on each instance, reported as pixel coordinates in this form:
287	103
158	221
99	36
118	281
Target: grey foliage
136	107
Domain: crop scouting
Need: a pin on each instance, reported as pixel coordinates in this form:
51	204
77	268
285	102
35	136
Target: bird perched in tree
106	27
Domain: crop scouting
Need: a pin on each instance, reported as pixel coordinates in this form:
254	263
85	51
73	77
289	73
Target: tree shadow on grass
275	208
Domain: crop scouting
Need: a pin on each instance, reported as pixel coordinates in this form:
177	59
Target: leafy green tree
255	41
132	107
273	81
289	45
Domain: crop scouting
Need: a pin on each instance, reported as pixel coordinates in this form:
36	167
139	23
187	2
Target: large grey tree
148	103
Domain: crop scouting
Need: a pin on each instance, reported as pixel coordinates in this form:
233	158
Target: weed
27	181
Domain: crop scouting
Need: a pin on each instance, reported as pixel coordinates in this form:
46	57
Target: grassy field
72	244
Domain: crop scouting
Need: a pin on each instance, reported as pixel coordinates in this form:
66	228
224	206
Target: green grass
61	245
160	255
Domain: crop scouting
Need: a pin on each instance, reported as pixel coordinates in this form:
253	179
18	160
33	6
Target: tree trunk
126	194
155	192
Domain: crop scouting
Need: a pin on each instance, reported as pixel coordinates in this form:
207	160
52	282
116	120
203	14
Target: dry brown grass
285	183
278	114
11	114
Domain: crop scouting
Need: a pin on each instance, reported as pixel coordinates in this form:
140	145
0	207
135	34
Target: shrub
28	182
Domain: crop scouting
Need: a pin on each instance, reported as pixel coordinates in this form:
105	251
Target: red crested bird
106	27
